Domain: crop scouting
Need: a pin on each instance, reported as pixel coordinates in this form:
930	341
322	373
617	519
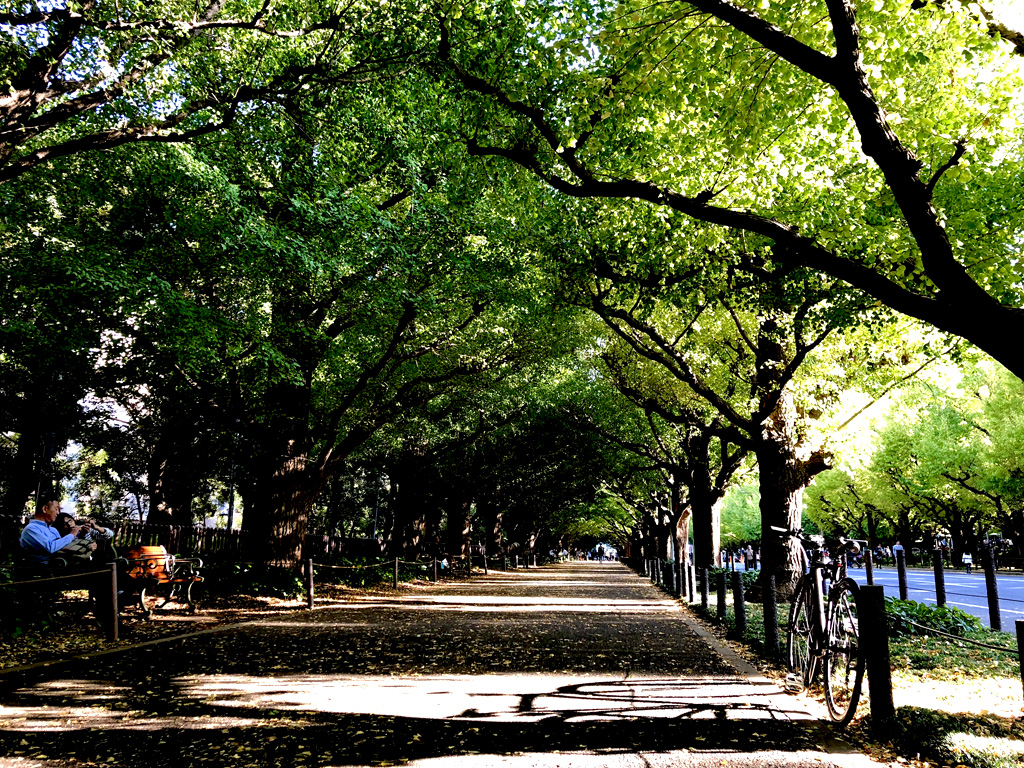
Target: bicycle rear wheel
799	654
843	667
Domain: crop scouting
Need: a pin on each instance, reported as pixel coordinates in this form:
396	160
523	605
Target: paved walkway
581	664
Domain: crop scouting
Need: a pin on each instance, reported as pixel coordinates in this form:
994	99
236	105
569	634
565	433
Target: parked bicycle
823	628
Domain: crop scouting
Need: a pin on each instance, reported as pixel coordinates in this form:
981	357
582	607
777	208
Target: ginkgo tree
86	75
878	143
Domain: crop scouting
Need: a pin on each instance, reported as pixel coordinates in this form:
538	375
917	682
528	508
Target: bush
950	620
260	580
746	577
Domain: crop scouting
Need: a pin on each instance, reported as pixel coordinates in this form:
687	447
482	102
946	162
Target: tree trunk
170	477
22	475
283	496
460	525
706	528
410	503
783	478
493	517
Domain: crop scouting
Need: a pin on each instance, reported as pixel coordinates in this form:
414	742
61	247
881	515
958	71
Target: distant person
968	561
40	539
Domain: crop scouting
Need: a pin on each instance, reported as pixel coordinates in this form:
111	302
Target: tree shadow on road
316	720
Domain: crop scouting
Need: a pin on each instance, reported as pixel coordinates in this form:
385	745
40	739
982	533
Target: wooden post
681	577
901	572
704	588
720	589
309	583
691	578
435	569
940	578
869	566
994	619
115	617
396	573
739	604
874	642
771	617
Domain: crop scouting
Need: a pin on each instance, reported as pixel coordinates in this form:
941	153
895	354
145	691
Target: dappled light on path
503	698
519	668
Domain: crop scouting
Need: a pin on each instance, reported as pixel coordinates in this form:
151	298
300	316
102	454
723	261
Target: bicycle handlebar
845	545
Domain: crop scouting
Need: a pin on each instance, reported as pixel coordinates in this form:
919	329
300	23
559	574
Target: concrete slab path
572	665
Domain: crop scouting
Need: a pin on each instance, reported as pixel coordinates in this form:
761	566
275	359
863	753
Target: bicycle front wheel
799	652
843	667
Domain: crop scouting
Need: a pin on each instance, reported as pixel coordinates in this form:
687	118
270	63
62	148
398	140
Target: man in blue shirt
39	539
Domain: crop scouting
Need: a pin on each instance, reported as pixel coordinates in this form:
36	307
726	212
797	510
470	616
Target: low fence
694	585
212	543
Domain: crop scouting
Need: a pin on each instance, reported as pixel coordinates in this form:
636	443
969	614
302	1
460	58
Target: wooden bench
151	575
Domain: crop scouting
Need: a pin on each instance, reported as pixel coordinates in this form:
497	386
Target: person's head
49	508
64	523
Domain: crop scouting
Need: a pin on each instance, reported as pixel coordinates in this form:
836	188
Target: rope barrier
1003	648
51	578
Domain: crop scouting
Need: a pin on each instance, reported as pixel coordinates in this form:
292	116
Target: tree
92	75
873	144
688	443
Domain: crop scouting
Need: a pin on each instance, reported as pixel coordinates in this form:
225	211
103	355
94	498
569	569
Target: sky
1010	12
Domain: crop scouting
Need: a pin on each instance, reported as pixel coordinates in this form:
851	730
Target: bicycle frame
824	571
822	632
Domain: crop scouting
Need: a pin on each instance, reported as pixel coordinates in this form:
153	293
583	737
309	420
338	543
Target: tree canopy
522	273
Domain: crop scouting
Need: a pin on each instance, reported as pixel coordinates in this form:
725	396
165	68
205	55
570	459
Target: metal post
720	587
739	605
869	566
691	577
681	577
114	615
396	573
704	588
515	559
1020	647
901	571
940	578
485	563
771	617
309	583
994	619
874	640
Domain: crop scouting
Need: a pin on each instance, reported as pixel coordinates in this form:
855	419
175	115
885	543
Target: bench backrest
149	562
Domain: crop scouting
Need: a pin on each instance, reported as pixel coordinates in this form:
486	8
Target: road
963	591
578	665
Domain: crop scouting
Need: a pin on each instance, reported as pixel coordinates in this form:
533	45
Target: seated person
83	545
40	539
